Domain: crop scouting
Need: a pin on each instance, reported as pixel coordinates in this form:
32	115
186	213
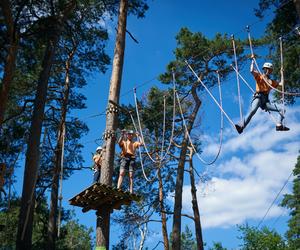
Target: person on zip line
127	163
261	96
97	158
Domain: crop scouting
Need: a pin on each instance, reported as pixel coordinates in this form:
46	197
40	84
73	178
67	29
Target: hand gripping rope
221	128
256	65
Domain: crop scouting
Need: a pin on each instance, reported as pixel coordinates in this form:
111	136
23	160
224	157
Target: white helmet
268	65
99	148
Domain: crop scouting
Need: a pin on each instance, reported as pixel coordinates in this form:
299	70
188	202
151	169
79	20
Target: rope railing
211	95
237	79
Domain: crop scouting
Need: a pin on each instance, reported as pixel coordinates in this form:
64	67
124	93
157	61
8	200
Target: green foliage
217	246
264	238
204	55
283	25
292	202
135	217
73	234
188	242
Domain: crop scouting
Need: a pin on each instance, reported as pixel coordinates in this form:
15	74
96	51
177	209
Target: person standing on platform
128	146
97	158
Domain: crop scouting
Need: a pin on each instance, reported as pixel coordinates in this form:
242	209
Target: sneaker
239	128
280	127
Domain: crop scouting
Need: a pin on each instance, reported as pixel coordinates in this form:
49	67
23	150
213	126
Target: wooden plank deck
98	195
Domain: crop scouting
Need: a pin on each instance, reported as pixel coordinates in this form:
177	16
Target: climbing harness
266	80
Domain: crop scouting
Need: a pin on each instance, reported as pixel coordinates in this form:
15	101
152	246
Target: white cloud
252	169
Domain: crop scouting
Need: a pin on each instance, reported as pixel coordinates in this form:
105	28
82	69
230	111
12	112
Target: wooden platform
98	195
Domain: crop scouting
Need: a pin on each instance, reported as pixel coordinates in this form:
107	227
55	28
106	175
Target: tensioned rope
211	95
140	126
140	155
221	129
252	90
173	125
173	120
282	74
237	80
243	79
266	80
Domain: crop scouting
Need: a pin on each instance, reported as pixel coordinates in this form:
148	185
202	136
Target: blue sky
252	167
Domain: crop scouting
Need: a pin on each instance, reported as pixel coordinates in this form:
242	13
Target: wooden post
103	215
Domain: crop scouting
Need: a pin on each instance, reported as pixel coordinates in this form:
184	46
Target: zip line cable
237	79
273	202
189	136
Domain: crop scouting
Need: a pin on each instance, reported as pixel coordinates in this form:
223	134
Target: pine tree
292	202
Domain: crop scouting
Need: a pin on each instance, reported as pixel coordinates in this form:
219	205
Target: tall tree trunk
297	5
25	224
176	232
198	229
103	215
10	61
52	223
162	210
32	155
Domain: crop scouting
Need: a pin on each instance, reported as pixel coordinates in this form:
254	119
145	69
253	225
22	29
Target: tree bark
10	61
198	229
25	224
297	5
103	215
52	223
162	209
176	232
33	154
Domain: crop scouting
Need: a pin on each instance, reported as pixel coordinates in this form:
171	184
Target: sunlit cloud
252	169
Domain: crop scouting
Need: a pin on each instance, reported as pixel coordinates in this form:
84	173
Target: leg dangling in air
256	103
279	126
